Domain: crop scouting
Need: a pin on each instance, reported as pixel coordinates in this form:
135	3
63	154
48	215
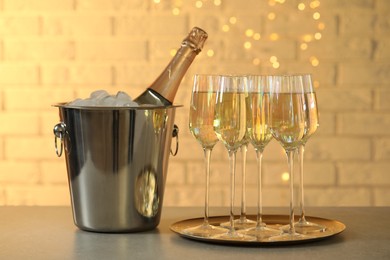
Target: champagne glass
258	113
201	126
311	125
287	121
230	127
242	222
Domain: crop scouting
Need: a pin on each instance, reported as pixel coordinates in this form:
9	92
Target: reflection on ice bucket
117	160
147	200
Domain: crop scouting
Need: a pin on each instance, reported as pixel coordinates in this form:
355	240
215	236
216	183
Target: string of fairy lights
251	37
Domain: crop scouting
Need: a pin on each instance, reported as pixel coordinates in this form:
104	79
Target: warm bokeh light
273	59
285	176
321	26
247	45
176	11
172	52
314	61
303	46
271	2
301	6
225	28
256	61
314	4
256	36
198	4
274	37
249	32
271	16
210	53
317	36
307	38
233	20
316	83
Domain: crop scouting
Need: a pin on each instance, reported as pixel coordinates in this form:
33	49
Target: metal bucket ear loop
175	133
59	132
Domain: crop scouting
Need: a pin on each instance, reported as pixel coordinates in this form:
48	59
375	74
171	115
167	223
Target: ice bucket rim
110	108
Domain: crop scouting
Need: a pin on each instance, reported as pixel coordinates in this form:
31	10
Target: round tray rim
334	227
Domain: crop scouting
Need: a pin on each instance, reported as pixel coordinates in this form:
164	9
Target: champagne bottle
163	90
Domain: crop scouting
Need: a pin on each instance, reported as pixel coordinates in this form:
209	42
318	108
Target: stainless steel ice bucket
117	160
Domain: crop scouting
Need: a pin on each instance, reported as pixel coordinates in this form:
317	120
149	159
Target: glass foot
262	232
235	236
239	224
305	227
288	236
205	230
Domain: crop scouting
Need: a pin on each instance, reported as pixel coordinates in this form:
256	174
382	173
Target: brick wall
56	50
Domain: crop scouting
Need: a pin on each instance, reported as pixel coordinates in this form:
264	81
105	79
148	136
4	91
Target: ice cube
103	98
99	94
131	104
108	101
75	102
88	102
81	102
123	96
124	100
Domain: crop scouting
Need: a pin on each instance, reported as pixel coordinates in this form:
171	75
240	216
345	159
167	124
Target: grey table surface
49	233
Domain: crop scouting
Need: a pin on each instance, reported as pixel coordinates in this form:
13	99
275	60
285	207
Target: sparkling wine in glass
201	126
230	127
287	122
311	124
258	129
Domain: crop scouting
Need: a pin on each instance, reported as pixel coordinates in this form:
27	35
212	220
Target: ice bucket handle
175	133
59	132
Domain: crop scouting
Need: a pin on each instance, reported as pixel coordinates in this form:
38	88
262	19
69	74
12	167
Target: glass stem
207	156
302	202
232	160
259	155
244	149
290	157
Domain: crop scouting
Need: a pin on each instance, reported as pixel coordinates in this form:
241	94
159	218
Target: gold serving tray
333	228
